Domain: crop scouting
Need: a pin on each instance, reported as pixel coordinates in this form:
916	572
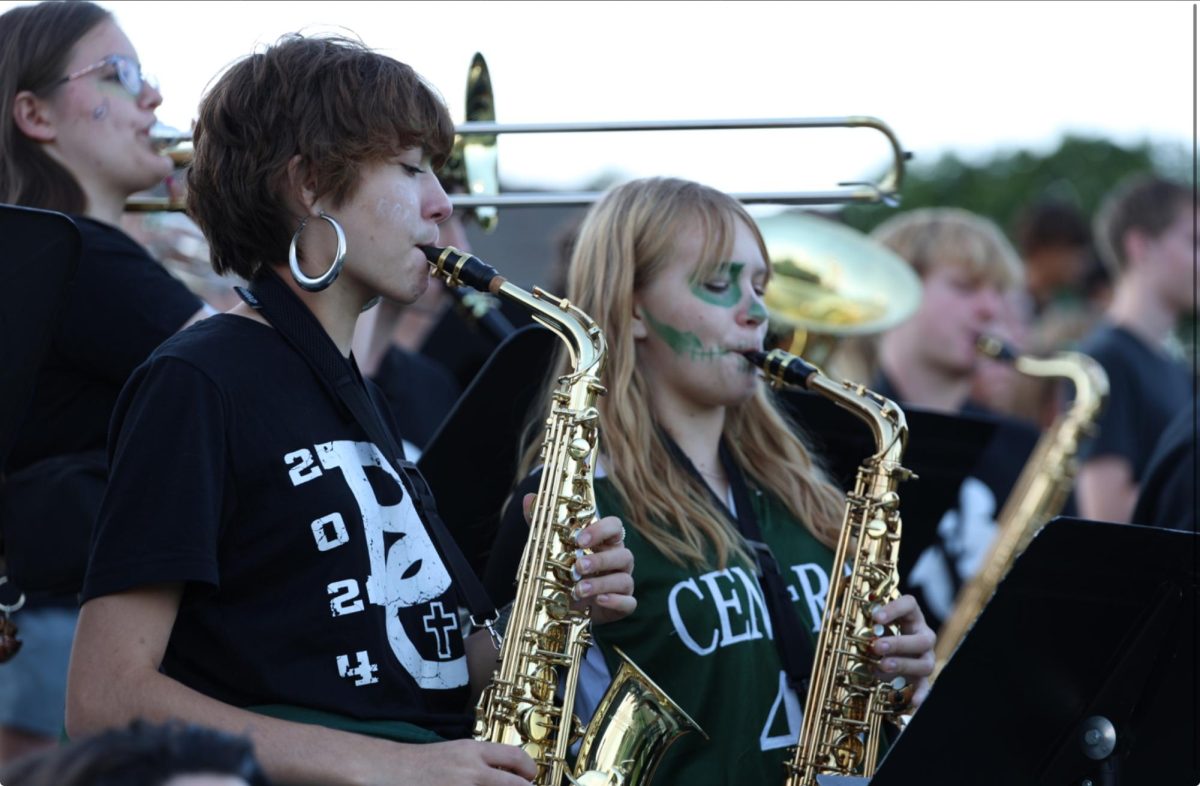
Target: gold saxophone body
546	638
846	704
1041	489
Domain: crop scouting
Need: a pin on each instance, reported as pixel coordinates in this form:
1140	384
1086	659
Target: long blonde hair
624	242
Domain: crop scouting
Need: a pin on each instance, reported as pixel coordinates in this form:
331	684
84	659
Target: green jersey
704	635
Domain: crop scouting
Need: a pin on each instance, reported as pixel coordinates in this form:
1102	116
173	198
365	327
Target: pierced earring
325	279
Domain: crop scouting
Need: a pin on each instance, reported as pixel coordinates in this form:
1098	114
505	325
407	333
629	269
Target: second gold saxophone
546	638
1040	491
846	704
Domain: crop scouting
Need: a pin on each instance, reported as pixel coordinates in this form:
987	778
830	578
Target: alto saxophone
846	703
1041	489
546	638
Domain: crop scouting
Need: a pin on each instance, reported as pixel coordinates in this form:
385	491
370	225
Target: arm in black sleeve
500	575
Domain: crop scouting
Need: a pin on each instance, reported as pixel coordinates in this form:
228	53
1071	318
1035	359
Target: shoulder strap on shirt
795	650
269	296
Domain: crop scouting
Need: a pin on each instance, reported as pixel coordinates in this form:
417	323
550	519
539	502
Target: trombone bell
474	163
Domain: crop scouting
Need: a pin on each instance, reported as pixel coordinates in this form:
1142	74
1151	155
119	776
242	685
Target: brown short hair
35	46
329	100
1145	202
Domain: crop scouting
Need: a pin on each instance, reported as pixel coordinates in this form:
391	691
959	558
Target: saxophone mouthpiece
458	268
782	367
994	348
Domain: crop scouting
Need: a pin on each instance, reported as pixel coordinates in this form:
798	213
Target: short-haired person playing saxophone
673	272
261	565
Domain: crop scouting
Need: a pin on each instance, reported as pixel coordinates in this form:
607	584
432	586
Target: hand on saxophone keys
909	654
603	568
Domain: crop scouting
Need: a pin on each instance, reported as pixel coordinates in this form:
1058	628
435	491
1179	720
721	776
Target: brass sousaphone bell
830	281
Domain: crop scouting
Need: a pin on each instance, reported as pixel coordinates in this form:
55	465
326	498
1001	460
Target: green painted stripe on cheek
683	343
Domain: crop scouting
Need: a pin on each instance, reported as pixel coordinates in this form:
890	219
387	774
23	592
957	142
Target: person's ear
638	322
302	187
1135	243
33	118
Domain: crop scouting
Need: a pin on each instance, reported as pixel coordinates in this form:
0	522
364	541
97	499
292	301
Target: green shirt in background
704	635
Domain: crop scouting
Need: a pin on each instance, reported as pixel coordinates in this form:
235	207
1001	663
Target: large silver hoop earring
325	279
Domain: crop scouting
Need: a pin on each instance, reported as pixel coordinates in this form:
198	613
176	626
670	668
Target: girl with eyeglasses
74	138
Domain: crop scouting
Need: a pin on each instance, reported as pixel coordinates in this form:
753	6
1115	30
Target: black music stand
1082	668
39	252
471	462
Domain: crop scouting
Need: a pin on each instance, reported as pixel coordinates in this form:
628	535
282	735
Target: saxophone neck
884	417
578	331
1085	374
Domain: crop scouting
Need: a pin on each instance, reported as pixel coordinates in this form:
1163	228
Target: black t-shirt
310	579
1146	389
120	305
420	391
1168	492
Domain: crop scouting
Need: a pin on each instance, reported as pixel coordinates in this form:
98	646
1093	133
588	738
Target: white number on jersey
363	671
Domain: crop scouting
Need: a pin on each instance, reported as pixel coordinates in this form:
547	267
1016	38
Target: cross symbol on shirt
440	623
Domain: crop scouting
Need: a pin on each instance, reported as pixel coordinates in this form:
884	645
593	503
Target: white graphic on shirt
407	573
363	671
741	616
735	623
330	532
439	623
815	583
785	699
345	598
966	534
305	470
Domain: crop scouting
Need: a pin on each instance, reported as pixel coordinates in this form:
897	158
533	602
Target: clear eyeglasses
129	72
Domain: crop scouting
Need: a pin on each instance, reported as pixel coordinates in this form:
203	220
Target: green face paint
732	295
730	272
684	343
758	310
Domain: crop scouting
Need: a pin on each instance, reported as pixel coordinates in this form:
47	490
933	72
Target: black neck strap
280	306
795	649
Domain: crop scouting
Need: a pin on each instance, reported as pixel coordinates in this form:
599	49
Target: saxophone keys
535	725
579	448
876	528
557	605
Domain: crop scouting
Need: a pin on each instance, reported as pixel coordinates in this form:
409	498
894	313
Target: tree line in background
1080	172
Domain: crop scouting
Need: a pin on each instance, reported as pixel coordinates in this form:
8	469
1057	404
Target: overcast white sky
971	77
